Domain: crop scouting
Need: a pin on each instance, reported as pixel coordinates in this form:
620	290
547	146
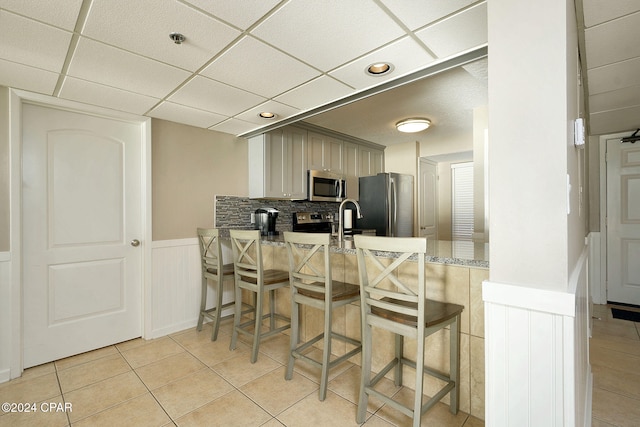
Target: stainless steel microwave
323	186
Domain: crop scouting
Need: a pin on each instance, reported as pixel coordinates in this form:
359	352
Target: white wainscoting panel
5	317
536	354
176	285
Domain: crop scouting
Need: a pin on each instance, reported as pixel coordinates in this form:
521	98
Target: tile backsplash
235	212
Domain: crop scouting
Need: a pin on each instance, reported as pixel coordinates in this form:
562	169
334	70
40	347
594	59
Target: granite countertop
461	253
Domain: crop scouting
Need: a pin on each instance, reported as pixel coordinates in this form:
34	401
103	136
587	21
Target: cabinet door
316	151
275	164
325	153
296	176
371	161
351	159
377	162
333	155
364	164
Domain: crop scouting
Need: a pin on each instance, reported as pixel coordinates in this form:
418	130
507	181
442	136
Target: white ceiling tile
234	126
416	14
29	78
613	41
106	96
61	13
406	56
479	70
328	33
614	76
458	33
282	111
187	115
259	68
94	61
599	11
622	98
209	95
242	17
315	93
32	43
111	21
613	121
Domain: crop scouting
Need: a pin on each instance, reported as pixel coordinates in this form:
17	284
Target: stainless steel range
312	222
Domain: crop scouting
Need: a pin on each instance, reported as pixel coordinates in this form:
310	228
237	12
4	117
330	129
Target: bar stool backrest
309	262
210	251
247	256
384	287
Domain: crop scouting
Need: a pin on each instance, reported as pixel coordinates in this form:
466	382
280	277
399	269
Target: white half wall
176	284
537	353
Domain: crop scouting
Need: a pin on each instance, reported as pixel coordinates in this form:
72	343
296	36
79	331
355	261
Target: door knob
135	243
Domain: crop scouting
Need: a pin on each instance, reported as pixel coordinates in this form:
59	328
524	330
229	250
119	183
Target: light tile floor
186	380
615	363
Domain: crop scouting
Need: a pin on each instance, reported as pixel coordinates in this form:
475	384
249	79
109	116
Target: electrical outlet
253	218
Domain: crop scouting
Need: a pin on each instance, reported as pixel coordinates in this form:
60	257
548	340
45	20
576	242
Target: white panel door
82	218
623	222
428	199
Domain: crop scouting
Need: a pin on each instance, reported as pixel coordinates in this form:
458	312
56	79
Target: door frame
16	99
600	289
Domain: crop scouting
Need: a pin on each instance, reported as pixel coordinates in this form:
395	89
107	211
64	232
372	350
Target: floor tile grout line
55	367
233	387
145	385
618	394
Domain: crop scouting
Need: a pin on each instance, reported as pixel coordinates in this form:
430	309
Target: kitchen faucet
340	220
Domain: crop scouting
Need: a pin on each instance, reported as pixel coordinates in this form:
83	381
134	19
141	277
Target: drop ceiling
291	57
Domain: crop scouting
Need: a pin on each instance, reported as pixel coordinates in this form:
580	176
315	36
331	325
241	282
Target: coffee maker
266	221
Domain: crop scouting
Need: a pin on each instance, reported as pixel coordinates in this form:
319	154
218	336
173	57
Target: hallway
615	363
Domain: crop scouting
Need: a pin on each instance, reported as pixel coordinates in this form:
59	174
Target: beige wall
534	241
403	158
5	245
189	166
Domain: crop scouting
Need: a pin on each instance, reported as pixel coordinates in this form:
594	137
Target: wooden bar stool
214	270
251	275
391	303
312	285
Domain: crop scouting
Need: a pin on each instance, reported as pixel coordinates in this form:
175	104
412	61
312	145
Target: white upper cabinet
279	160
325	153
278	164
371	161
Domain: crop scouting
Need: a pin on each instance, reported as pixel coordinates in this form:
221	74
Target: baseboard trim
5	375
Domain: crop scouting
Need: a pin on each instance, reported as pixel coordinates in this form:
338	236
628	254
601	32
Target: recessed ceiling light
413	125
379	68
267	115
177	38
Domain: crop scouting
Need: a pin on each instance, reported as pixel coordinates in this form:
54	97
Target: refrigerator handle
393	214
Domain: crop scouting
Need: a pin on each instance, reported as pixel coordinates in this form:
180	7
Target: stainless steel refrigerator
386	203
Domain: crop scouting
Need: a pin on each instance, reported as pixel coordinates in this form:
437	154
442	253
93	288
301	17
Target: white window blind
462	201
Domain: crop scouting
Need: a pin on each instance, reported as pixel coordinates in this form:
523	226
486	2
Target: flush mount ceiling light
177	38
413	125
267	115
379	68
